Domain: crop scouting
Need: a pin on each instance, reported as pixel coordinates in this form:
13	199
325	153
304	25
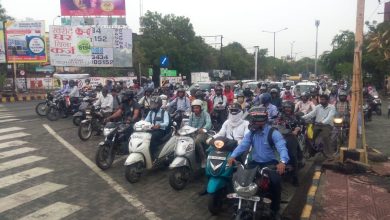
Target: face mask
254	127
236	119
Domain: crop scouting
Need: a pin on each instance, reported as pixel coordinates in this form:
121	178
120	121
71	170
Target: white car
303	86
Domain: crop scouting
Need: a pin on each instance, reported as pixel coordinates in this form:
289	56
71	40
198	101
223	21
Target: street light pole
274	33
291	54
317	23
256	54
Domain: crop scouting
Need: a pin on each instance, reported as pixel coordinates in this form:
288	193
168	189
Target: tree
3	66
3	14
237	59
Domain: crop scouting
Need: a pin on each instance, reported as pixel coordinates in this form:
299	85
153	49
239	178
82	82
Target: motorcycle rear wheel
53	114
77	120
41	109
179	177
85	131
104	157
133	172
215	202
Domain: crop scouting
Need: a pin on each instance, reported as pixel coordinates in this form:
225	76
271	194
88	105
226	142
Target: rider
304	105
314	96
262	90
145	101
323	114
271	109
129	109
160	121
181	102
324	89
241	100
333	95
65	87
202	96
87	87
342	105
275	99
228	92
263	154
235	127
219	105
106	103
287	94
201	120
74	94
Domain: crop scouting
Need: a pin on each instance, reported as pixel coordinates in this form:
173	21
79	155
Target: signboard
2	44
166	72
221	73
25	41
45	69
90	46
93	8
164	61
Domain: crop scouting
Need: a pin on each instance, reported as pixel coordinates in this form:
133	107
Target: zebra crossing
7	116
16	154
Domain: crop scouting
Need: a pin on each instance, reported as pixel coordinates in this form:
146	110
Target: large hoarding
93	8
2	44
25	41
91	46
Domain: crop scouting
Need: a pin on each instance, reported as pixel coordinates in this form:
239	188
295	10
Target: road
46	170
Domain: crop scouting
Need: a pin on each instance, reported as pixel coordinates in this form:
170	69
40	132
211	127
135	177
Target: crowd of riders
268	120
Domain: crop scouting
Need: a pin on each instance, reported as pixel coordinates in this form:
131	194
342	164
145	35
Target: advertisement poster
25	41
90	46
2	44
93	8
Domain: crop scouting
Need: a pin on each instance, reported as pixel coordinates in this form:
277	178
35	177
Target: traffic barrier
21	98
307	210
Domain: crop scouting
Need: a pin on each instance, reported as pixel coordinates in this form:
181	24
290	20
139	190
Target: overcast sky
241	21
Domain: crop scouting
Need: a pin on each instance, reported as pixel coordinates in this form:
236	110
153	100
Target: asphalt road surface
47	172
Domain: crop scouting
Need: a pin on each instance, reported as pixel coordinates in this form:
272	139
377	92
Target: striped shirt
202	121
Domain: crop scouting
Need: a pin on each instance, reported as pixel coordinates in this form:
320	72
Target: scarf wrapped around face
235	120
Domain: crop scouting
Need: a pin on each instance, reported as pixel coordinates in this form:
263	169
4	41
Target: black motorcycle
115	143
62	107
42	108
375	103
93	122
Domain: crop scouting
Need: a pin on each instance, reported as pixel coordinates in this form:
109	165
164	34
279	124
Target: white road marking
22	176
55	211
19	162
14	135
12	153
28	195
131	199
8	120
10	129
12	144
6	115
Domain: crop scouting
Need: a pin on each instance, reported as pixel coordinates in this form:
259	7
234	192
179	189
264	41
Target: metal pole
140	73
256	54
291	54
317	23
15	87
274	44
221	65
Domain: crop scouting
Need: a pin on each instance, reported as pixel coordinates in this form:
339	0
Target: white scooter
140	157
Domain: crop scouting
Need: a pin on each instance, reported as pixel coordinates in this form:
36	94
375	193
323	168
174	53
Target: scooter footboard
134	158
215	184
179	162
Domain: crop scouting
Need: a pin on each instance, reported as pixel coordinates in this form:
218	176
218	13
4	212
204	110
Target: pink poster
93	8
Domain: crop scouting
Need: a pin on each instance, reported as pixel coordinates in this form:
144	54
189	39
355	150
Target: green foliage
3	14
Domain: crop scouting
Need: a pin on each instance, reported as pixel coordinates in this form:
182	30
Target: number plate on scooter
236	196
216	158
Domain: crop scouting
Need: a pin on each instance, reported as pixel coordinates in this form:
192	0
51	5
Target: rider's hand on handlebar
201	130
231	161
281	167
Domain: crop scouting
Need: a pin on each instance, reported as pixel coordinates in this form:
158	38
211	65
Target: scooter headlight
246	191
338	121
184	146
107	131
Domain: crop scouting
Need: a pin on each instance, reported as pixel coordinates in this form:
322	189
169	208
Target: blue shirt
162	120
262	152
182	104
65	89
272	111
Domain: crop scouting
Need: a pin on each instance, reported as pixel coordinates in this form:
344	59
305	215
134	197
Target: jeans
325	131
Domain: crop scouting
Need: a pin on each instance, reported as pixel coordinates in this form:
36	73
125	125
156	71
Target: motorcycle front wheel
85	131
215	202
53	114
41	109
104	157
77	120
179	177
133	172
245	215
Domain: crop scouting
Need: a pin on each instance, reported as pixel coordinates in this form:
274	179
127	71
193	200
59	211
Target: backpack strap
269	138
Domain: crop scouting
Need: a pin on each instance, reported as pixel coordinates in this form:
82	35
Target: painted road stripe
28	195
55	211
19	162
15	152
130	198
14	135
8	120
22	176
6	116
10	129
12	144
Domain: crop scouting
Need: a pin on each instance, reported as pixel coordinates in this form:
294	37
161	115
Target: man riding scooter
180	105
219	113
263	153
145	101
201	120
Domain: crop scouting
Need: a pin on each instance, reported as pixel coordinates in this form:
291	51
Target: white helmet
197	102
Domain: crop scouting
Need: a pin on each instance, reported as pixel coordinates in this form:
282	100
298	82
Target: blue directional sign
164	61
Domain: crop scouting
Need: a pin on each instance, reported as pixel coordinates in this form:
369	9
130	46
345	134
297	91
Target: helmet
218	88
199	95
274	90
149	90
258	114
87	81
266	98
155	103
305	94
181	89
288	104
235	108
72	82
343	93
129	95
197	102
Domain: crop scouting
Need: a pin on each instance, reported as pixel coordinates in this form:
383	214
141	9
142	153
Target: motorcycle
219	173
61	107
185	163
367	112
375	103
140	157
79	116
341	125
42	108
93	122
115	143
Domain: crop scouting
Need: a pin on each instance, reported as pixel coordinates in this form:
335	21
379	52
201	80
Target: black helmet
129	95
235	108
155	103
274	90
258	114
266	98
149	90
313	91
218	88
200	95
288	104
72	82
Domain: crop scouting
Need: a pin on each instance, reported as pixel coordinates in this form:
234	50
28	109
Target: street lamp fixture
274	33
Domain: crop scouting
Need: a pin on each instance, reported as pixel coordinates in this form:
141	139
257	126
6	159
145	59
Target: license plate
216	158
236	196
88	117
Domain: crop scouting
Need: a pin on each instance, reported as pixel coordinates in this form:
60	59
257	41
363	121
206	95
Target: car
204	86
303	86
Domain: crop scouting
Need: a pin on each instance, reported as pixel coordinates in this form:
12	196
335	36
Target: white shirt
74	92
322	115
236	133
106	103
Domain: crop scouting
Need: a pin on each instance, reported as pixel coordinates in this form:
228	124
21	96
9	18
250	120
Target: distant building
387	12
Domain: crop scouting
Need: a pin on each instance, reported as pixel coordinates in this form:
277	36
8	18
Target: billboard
25	41
91	46
93	8
387	12
2	44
